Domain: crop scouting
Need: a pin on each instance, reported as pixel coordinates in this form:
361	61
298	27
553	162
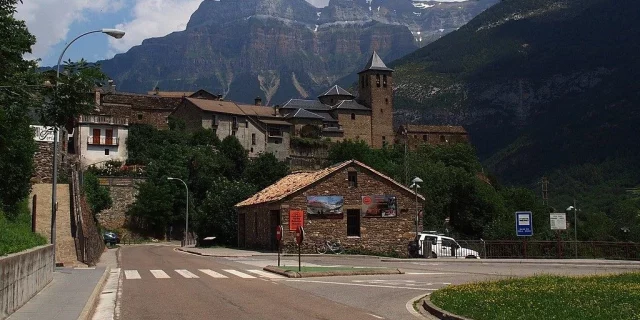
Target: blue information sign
524	224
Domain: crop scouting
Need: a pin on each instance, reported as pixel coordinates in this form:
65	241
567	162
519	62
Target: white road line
213	273
362	285
239	274
375	316
159	274
428	273
266	274
132	274
186	274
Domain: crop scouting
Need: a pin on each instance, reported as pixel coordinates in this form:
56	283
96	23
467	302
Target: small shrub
16	232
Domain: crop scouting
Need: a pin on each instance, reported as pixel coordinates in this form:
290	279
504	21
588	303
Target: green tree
264	170
19	93
233	150
98	196
153	211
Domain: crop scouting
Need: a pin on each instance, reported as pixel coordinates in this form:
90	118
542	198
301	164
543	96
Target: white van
442	246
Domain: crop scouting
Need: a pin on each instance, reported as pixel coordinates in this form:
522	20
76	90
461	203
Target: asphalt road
154	296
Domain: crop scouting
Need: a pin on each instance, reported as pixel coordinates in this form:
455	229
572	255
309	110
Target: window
166	119
425	137
378	80
353	223
214	120
353	116
353	179
331	101
106	152
253	139
235	122
443	139
381	110
386	100
275	132
139	116
108	137
251	150
384	141
362	81
233	133
384	80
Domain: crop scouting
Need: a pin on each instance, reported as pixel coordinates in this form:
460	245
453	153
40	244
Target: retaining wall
22	275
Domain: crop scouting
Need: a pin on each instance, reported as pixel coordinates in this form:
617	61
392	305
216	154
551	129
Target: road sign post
299	240
558	223
279	239
524	227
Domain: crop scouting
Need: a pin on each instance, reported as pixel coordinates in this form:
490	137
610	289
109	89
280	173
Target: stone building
339	115
100	138
416	135
349	202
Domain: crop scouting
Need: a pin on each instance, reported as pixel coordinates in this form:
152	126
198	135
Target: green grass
15	234
546	297
324	269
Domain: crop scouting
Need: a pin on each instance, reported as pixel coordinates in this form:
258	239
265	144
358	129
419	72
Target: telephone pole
545	191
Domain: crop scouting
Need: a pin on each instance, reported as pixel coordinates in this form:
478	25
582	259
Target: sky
55	22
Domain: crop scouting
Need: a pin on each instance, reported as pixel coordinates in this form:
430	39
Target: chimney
258	101
97	97
156	91
276	109
220	97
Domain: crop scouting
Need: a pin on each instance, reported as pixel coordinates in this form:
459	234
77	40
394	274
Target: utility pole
545	191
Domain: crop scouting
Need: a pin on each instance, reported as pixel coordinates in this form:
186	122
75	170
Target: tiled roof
227	107
432	129
336	91
275	122
350	105
313	105
303	114
170	94
375	63
299	181
257	111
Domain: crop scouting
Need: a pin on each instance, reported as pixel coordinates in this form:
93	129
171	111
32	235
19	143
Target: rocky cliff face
278	49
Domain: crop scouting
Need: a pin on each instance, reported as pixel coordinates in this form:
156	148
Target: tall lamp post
186	227
575	224
118	34
415	186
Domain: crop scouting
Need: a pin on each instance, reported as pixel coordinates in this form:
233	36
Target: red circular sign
299	235
366	200
279	233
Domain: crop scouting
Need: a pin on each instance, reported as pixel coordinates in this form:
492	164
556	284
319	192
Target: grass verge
324	269
545	297
15	232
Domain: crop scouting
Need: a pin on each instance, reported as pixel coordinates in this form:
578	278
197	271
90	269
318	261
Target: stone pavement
68	294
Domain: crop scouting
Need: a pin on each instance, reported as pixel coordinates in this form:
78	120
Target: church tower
375	88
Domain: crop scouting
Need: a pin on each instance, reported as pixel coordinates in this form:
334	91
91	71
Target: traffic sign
279	232
558	221
300	235
524	224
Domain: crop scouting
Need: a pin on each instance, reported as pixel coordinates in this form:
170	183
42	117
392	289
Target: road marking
239	274
132	274
159	274
362	285
266	274
187	274
213	273
428	273
410	308
375	316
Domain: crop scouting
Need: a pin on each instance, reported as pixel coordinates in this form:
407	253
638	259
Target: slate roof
326	116
275	122
303	114
350	105
170	94
257	111
299	181
336	91
227	107
414	128
375	63
313	105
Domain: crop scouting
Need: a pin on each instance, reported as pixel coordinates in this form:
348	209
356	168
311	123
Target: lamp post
186	227
575	224
415	186
118	34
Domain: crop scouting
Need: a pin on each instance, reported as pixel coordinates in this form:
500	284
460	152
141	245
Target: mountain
541	85
280	49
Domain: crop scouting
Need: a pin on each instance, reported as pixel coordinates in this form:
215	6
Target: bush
16	232
98	196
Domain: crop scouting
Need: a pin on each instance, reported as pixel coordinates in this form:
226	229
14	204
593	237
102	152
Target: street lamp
575	223
118	34
186	227
415	186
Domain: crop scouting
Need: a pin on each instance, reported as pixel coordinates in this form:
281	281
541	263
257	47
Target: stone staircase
65	242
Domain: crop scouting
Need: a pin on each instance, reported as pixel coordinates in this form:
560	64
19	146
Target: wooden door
108	140
96	136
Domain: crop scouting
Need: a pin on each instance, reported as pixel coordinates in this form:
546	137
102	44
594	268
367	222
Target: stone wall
22	276
123	192
375	95
140	108
43	161
358	128
377	234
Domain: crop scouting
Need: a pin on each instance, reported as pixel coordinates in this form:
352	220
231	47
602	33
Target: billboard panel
384	206
324	205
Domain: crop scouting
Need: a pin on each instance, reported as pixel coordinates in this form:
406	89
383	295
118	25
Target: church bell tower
375	88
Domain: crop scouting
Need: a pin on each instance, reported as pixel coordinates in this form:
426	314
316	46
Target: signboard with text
296	219
43	134
524	224
384	206
558	221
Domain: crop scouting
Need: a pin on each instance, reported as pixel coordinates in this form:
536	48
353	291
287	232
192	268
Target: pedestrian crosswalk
207	273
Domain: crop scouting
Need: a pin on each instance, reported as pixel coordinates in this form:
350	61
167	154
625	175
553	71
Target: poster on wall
324	205
296	219
383	206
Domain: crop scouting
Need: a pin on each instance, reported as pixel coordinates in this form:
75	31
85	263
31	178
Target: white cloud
153	18
49	20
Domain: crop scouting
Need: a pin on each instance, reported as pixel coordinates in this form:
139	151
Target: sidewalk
523	261
68	294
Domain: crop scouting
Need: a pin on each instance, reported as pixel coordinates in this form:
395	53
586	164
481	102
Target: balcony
94	119
103	141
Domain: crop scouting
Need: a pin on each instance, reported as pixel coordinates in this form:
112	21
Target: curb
295	274
275	253
439	313
520	261
89	307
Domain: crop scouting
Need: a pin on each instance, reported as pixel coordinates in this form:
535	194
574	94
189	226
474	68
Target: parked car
442	246
111	238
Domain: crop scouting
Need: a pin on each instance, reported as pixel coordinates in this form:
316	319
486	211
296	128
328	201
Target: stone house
416	135
100	138
350	202
367	117
259	129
